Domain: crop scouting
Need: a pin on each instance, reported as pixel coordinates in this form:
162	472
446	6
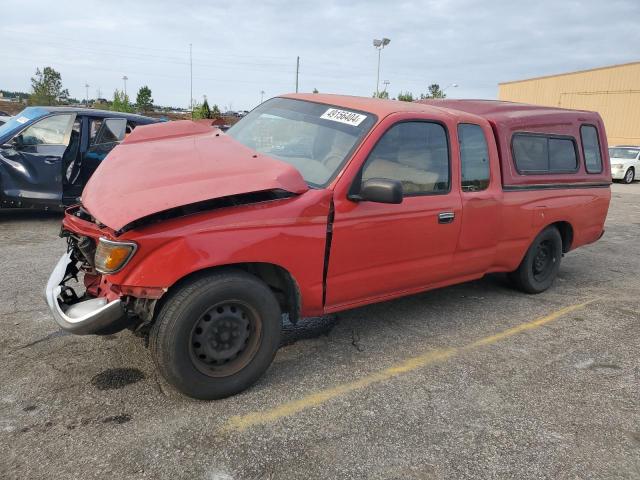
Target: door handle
446	217
51	160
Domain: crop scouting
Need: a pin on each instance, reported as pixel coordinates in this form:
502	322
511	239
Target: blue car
47	154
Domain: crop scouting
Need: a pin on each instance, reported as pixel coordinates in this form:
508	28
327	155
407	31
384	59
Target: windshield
21	119
314	138
624	153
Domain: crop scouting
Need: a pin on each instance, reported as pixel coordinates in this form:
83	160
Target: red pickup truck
313	204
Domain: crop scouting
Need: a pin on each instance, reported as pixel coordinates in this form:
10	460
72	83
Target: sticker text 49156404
344	116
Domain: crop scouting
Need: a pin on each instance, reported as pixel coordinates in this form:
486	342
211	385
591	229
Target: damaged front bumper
83	317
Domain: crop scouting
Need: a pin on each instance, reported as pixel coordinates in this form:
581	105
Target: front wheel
629	176
216	335
540	265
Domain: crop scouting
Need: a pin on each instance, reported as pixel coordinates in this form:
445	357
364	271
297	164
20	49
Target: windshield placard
343	116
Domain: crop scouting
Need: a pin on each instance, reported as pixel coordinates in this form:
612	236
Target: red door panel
380	250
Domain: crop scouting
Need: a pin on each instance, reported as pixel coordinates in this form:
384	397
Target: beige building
612	91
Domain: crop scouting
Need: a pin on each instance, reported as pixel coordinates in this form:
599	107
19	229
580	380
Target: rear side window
474	157
591	148
562	155
112	131
540	154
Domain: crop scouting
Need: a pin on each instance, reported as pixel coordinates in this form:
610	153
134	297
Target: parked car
314	204
47	154
4	119
625	162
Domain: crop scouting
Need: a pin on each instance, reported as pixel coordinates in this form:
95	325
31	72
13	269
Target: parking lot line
243	422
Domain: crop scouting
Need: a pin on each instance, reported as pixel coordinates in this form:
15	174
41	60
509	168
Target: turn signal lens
113	256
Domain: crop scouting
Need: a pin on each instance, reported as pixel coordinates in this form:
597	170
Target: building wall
614	92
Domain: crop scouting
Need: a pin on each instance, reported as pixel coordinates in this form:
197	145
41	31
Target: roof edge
569	73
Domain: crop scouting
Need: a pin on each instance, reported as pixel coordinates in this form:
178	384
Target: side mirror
380	190
17	142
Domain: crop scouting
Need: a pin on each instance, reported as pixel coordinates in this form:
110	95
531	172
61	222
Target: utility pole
261	96
386	85
297	72
86	86
125	78
98	93
191	79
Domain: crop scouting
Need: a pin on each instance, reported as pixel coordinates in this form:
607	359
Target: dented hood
173	164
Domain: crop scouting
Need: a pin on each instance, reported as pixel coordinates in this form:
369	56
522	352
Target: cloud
242	47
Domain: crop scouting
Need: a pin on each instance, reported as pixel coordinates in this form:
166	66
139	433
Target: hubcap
224	339
629	178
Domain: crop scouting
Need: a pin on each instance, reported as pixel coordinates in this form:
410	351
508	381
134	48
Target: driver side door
33	162
382	250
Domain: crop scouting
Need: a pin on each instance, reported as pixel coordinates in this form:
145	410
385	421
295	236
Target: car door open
35	156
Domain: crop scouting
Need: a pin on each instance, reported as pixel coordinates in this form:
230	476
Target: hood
169	165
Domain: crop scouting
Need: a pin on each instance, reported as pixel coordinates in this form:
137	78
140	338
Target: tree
315	90
405	97
121	102
434	92
196	111
215	112
47	88
144	101
205	111
382	94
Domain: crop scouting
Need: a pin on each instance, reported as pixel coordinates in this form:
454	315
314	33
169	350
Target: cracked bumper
81	318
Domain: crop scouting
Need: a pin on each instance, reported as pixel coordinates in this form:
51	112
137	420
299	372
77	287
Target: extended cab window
474	157
591	148
540	154
416	154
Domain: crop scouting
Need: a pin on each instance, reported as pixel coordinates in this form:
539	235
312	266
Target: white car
625	162
4	119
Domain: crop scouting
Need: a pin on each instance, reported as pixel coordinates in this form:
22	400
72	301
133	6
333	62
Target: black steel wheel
216	334
225	338
541	263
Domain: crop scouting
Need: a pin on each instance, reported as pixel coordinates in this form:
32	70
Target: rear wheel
216	335
540	265
629	176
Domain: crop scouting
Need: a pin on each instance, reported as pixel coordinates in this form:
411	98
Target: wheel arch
566	233
281	282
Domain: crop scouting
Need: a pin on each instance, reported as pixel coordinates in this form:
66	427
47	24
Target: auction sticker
344	116
22	120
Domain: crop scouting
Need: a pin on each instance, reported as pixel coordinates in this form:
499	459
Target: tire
629	176
217	334
541	264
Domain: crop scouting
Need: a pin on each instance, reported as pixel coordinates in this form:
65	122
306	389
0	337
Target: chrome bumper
81	318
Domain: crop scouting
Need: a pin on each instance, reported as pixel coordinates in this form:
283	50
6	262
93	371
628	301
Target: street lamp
379	45
453	85
125	78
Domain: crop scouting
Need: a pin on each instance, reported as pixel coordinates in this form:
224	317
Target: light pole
261	96
125	78
86	86
453	85
379	45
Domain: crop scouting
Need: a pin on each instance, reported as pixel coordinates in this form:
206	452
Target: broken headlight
112	256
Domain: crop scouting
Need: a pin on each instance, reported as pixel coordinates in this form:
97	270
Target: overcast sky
242	47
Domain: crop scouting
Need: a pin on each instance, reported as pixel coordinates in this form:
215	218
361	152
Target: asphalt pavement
472	381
